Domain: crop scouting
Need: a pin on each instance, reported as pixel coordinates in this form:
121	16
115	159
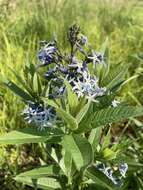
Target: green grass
24	23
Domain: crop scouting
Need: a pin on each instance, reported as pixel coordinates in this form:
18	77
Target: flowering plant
70	106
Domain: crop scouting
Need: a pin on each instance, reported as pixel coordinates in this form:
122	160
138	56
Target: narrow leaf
29	135
80	150
94	137
18	91
69	119
115	75
42	183
21	81
82	112
72	97
44	171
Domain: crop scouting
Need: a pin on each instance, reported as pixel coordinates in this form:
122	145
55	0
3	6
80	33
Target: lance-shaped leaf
21	81
37	84
80	150
110	115
94	137
45	183
99	178
68	118
115	76
30	135
70	167
18	91
83	112
72	97
43	171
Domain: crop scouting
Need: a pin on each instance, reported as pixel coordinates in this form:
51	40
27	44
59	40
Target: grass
24	23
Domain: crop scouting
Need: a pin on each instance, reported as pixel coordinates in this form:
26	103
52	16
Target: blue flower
88	86
115	103
109	172
78	66
64	70
50	74
84	40
40	115
95	57
47	54
123	168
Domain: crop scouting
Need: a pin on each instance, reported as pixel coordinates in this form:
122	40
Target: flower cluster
109	172
74	67
70	67
88	86
40	115
47	53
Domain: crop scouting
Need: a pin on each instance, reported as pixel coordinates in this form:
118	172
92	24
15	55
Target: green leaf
36	84
106	140
72	123
21	81
70	167
58	157
109	154
83	112
44	171
115	76
85	124
72	97
42	183
105	52
104	102
68	162
134	166
94	137
30	135
111	115
69	119
18	91
80	150
99	178
30	69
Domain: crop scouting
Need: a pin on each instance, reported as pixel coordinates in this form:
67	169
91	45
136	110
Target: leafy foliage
83	112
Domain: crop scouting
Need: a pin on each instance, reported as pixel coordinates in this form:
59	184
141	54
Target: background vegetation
24	23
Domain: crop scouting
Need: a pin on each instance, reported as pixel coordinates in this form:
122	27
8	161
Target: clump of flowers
40	115
71	104
112	174
70	67
74	67
88	87
77	67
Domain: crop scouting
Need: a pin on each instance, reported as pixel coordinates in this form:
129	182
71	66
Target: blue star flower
41	116
47	53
